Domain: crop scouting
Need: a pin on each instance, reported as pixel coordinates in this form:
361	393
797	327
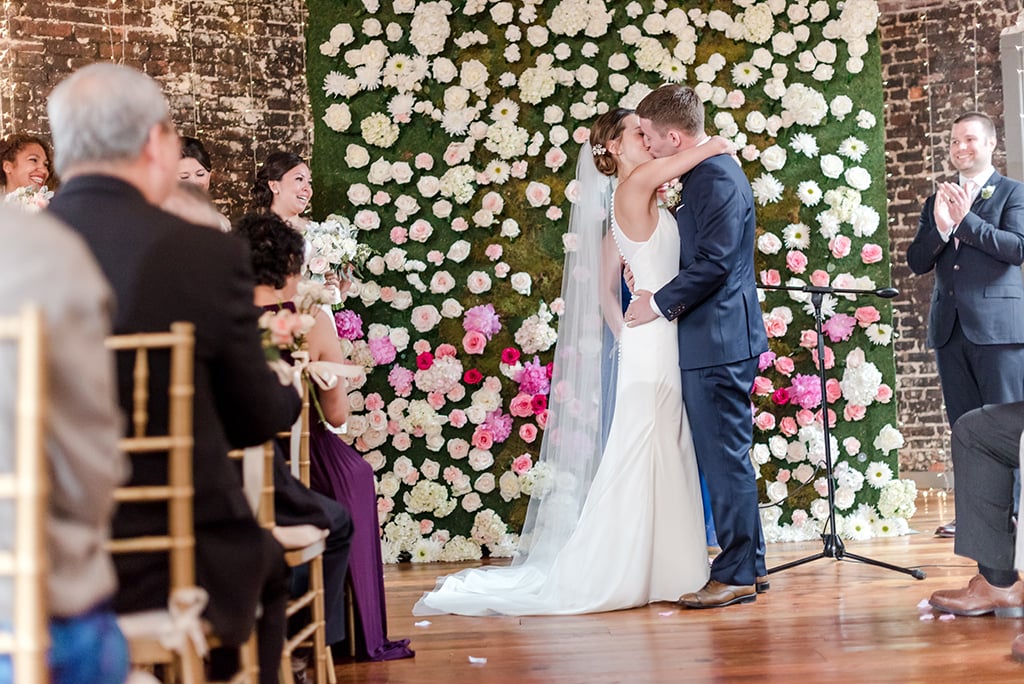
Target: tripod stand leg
793	564
916	573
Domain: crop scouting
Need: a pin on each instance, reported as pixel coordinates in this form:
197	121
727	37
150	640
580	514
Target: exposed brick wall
234	71
939	59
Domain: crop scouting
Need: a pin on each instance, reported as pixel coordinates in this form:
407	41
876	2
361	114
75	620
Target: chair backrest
177	442
23	487
297	440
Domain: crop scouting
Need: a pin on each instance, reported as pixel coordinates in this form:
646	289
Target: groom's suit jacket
980	281
715	294
162	270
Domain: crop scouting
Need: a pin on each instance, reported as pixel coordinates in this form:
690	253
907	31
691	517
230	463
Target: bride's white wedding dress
640	537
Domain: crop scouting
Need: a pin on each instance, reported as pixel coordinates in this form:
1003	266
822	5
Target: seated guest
162	270
45	263
986	450
24	162
336	469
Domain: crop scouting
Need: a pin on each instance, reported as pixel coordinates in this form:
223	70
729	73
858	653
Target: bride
615	520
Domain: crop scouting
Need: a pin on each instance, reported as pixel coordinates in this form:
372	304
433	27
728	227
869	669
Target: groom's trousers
718	405
986	450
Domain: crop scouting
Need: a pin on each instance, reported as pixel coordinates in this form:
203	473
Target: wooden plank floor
824	621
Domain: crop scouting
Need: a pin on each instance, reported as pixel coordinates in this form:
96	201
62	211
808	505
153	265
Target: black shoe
947	531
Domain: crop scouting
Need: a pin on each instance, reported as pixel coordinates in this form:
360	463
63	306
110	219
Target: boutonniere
669	194
987	191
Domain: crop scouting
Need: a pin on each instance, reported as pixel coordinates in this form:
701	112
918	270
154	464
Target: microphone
887	292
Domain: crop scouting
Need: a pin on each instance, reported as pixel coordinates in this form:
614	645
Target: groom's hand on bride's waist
640	310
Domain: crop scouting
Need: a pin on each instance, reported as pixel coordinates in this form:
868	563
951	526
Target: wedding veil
585	369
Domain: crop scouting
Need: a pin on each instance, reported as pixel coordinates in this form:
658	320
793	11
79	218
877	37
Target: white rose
618	83
478	282
773	158
338	117
380	172
769	243
451	308
858	178
401	172
521	282
831	165
458	251
428	186
359	193
356	156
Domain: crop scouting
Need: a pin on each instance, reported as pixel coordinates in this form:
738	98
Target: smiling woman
283	187
24	162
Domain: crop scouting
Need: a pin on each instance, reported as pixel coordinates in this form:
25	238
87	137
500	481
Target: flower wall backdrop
448	132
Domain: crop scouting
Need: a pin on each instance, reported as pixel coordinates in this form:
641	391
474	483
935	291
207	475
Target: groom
721	335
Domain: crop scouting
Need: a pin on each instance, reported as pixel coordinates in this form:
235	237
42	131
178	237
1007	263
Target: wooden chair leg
350	618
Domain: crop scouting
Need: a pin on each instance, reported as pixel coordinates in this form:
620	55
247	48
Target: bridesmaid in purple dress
337	470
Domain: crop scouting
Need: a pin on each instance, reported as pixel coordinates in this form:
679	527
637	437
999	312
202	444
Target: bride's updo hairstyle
607	127
273	169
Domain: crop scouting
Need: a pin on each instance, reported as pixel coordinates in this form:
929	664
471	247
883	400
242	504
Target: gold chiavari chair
25	485
156	637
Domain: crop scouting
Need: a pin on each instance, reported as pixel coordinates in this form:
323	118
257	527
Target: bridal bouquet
333	249
29	198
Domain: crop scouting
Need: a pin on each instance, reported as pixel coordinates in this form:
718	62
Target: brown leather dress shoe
714	594
1017	648
947	531
762	584
981	598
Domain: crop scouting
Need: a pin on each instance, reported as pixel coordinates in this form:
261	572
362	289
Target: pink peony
765	360
348	324
805	390
840	327
382	350
482	319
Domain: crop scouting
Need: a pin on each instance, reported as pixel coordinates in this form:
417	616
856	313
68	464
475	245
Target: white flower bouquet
333	248
29	198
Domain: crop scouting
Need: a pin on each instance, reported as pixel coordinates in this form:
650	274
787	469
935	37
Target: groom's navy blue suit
721	335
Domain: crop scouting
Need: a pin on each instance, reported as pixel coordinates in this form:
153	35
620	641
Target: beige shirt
44	262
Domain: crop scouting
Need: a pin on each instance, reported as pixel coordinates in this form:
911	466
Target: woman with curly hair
24	162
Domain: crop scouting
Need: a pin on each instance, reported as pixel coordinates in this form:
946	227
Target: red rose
424	360
510	356
472	376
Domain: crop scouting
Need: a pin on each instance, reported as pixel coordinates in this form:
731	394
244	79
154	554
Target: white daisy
853	148
878	473
498	171
767	189
879	333
505	110
336	84
796	236
745	74
809	193
805	144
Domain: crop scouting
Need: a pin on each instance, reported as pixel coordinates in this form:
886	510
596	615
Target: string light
6	60
250	115
193	76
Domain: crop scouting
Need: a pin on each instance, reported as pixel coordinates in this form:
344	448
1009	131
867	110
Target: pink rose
366	220
804	417
771	277
764	421
785	365
436	400
870	253
457	448
796	261
853	412
830	357
420	231
735	99
412	477
426	526
385	504
538	194
492	202
839	246
580	135
554	158
387	294
482	438
425	318
542	419
787	426
528	432
435	257
318	265
819	278
456	393
393	428
493	252
377	420
783	476
474	342
444	351
518	169
763	386
884	394
380	198
521	405
775	326
521	464
424	161
553	213
799	517
457	419
831	418
460	224
373	402
866	315
808	339
401	441
832	390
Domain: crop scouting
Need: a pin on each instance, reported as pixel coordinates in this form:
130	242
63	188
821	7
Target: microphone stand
833	544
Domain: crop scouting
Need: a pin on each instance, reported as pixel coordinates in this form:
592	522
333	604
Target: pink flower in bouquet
348	324
765	360
436	400
528	432
318	265
796	261
521	405
866	315
785	365
805	390
839	246
763	386
832	390
819	278
472	376
804	417
424	361
884	393
539	403
521	464
482	438
542	419
399	235
534	378
853	412
870	253
840	327
771	277
401	380
788	426
482	319
382	350
474	342
510	356
445	350
764	421
808	339
780	396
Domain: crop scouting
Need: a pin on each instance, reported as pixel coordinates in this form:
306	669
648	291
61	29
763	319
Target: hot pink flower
765	360
510	356
424	360
780	396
